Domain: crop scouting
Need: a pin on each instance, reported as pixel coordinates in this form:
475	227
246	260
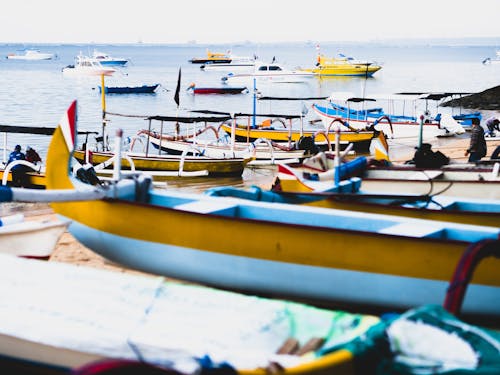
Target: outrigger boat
343	257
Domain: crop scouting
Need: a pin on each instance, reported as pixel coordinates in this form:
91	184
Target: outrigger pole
103	106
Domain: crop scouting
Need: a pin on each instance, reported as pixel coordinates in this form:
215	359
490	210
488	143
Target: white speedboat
242	64
272	73
31	54
85	65
106	59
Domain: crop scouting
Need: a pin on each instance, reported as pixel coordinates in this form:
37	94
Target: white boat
29	238
106	59
31	54
270	73
237	64
494	60
85	65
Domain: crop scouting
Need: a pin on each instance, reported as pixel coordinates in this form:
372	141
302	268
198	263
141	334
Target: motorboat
270	73
31	54
85	65
144	89
212	58
106	59
343	66
237	63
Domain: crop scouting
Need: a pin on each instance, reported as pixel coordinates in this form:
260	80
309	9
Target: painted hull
382	261
113	62
397	128
33	239
219	90
295	77
165	317
36	180
345	70
360	140
214	166
145	89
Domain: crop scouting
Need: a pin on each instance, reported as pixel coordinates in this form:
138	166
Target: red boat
216	90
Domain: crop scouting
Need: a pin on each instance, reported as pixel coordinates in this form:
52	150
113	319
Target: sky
230	21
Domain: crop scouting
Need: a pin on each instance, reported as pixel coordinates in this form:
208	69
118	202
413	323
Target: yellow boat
343	66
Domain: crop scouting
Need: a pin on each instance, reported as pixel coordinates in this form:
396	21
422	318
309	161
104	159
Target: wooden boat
212	58
217	90
343	66
300	251
32	239
144	89
49	328
300	184
397	126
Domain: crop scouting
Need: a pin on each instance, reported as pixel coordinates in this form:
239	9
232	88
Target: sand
69	250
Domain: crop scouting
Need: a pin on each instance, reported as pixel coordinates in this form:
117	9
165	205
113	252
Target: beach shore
69	250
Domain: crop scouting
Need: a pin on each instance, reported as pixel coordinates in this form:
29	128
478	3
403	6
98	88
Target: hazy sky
229	21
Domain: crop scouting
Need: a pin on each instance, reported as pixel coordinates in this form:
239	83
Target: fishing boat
339	105
144	89
301	251
212	58
29	238
269	73
87	66
31	54
343	66
107	60
217	90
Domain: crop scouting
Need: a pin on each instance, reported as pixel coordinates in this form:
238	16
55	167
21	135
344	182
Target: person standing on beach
477	146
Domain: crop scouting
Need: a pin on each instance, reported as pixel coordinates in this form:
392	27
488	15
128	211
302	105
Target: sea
37	93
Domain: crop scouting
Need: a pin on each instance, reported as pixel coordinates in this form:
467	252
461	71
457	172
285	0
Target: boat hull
214	166
145	89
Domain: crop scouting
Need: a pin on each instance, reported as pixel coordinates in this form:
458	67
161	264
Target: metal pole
103	106
421	132
254	101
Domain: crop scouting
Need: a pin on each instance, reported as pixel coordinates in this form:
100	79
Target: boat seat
209	207
412	230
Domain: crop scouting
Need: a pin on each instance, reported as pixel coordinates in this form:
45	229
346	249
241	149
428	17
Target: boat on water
87	66
299	251
343	66
269	73
108	60
29	238
494	60
395	125
31	54
213	58
144	89
217	90
237	64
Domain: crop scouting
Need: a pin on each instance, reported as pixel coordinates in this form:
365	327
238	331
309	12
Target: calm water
36	93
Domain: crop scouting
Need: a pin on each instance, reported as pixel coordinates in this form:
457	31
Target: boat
237	64
343	66
494	60
87	66
269	73
212	58
108	60
29	238
171	324
296	251
396	126
216	90
144	89
31	54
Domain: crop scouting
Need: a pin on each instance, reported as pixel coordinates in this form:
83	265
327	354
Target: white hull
87	72
32	56
36	239
270	78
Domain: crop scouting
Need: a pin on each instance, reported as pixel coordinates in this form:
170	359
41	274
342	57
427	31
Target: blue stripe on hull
283	279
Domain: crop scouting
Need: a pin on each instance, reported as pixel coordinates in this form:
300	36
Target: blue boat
144	89
106	59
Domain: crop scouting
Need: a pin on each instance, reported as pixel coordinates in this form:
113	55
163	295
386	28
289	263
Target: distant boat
344	66
106	59
144	89
494	60
270	73
212	58
85	65
31	54
216	90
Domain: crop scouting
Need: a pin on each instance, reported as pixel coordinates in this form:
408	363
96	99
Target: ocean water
36	93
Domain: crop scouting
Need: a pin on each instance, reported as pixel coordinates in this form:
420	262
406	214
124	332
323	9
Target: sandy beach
69	250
